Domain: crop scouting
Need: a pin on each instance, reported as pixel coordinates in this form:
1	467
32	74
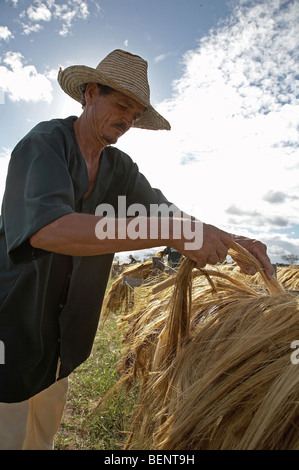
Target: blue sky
224	73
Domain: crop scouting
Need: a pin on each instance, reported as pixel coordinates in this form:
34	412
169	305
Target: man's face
111	115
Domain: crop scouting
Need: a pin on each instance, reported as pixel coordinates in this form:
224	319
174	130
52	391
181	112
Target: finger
221	251
266	263
201	262
259	251
213	258
219	255
226	239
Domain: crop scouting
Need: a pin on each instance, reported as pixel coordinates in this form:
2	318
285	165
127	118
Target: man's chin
111	140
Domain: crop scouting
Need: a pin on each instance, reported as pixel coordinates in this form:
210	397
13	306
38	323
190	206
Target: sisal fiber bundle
289	277
232	386
213	359
120	295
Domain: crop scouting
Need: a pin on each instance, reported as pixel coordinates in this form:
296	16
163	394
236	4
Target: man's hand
214	247
257	249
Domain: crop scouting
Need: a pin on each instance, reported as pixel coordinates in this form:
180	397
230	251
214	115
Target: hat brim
72	79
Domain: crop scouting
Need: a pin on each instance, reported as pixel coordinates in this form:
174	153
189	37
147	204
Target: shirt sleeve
141	191
38	191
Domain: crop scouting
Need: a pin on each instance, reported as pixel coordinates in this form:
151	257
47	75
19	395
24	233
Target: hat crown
125	73
128	71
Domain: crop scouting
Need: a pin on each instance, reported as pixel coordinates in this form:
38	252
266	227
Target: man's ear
91	90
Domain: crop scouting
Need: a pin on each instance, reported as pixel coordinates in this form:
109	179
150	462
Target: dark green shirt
50	303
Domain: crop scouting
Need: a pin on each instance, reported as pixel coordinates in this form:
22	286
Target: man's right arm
75	234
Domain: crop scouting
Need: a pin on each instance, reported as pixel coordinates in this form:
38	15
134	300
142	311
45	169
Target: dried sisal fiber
289	277
233	386
213	362
120	295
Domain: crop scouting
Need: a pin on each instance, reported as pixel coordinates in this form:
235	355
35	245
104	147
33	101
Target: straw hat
122	71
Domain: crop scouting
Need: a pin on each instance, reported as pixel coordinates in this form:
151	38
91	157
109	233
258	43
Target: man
53	266
173	257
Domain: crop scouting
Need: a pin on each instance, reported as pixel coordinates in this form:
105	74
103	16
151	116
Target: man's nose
123	125
128	120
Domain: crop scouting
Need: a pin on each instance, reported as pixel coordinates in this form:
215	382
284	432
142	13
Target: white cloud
161	57
14	2
83	10
49	10
52	74
67	13
234	116
39	13
5	33
31	28
23	82
280	244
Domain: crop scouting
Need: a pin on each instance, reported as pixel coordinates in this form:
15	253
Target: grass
85	425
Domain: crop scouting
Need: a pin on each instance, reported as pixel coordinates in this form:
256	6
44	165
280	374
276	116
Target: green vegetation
85	425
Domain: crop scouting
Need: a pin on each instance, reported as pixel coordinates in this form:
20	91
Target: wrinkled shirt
50	303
